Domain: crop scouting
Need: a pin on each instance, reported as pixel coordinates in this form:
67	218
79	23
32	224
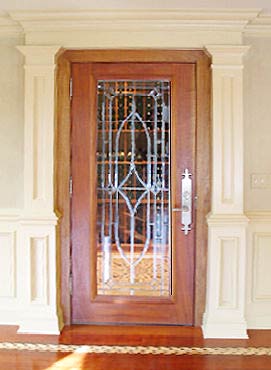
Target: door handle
186	202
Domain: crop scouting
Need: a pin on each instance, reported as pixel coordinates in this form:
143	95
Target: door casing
63	160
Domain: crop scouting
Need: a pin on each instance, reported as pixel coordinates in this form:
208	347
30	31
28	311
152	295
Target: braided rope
138	350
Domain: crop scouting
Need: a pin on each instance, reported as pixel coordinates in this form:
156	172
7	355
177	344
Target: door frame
63	156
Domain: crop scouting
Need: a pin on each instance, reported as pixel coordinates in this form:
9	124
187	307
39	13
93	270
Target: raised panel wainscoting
258	306
28	274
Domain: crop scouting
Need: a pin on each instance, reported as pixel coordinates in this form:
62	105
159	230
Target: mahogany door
133	144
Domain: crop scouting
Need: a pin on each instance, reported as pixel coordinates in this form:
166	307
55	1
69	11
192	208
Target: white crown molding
8	26
134	19
248	21
259	26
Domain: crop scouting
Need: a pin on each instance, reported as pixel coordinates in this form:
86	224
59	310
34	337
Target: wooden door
120	194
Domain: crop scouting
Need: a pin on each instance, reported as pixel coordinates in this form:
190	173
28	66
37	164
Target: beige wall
257	118
11	124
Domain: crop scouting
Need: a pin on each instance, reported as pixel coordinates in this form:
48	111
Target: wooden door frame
63	156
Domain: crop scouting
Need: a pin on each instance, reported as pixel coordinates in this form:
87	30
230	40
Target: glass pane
134	252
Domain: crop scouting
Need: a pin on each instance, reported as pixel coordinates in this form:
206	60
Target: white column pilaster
37	234
225	301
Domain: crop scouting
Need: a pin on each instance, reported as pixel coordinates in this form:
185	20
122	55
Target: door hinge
70	88
70	186
70	284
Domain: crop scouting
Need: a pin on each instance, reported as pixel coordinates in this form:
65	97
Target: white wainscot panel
258	307
261	259
228	272
7	265
39	270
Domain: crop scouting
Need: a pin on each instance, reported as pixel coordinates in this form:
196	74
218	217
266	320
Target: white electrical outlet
261	181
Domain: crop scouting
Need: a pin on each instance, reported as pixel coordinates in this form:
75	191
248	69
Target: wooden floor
131	336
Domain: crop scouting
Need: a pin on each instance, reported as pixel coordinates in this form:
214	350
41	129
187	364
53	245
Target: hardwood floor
25	359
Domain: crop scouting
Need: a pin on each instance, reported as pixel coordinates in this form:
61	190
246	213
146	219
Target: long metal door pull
186	201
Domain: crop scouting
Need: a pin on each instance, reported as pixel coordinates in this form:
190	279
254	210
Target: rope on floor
138	350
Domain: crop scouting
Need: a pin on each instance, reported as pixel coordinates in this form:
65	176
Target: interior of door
133	161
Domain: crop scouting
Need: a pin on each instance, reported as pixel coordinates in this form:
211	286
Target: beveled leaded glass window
133	165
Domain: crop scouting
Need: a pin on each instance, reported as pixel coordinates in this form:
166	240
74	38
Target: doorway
140	179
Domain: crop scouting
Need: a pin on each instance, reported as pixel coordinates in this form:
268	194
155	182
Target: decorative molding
9	262
38	222
252	22
225	300
258	305
37	288
234	329
39	128
226	280
10	215
8	270
261	285
16	216
39	56
227	96
9	27
75	28
39	270
227	55
259	216
259	26
226	219
135	19
228	295
35	309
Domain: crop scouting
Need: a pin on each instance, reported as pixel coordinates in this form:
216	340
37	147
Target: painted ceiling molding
8	26
250	21
124	19
260	26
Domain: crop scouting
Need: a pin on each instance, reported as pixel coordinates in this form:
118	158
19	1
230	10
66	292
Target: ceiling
11	5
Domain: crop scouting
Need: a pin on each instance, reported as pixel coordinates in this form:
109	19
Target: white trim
9	27
227	219
260	26
259	216
258	304
251	22
227	56
128	19
226	259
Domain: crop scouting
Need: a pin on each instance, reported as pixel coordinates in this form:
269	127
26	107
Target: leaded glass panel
133	166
